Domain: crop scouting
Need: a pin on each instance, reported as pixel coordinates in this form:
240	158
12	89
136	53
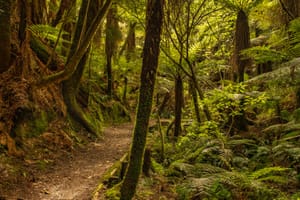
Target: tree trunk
130	47
5	38
79	52
43	52
148	77
97	41
147	162
195	101
70	86
290	9
178	105
124	96
65	6
63	14
242	41
39	11
111	38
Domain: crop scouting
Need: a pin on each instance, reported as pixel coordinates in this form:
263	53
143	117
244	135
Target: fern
237	142
204	169
266	172
275	179
286	152
47	32
291	136
245	5
263	54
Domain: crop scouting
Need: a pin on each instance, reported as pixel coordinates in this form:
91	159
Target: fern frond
263	54
47	32
204	169
240	161
196	51
262	151
291	136
275	179
265	172
294	153
237	142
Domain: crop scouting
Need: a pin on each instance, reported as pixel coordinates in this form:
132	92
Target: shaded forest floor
72	174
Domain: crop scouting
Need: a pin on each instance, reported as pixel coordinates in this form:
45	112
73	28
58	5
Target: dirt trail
76	176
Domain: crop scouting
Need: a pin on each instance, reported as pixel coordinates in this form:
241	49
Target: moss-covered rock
32	124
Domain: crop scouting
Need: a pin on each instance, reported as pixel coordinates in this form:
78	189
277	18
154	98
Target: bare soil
71	175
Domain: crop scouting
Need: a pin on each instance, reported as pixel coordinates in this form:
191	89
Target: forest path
76	176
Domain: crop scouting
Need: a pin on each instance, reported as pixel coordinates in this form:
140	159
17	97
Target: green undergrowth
209	162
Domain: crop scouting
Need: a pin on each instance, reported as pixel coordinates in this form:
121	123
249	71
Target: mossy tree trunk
195	101
148	77
242	41
5	34
75	57
124	96
130	42
70	86
178	105
129	45
111	39
97	41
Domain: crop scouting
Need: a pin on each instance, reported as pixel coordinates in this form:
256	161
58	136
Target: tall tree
5	34
70	86
111	40
242	33
182	23
178	105
148	77
242	42
81	49
65	15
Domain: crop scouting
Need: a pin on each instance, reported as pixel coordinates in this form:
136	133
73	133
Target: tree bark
111	38
195	101
74	60
130	43
64	12
148	77
65	6
70	86
39	12
242	41
5	34
178	105
124	96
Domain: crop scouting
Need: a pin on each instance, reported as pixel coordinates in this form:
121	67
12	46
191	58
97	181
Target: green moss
32	124
113	193
158	168
296	115
40	123
114	111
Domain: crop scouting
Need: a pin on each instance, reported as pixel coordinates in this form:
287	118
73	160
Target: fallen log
286	74
112	176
